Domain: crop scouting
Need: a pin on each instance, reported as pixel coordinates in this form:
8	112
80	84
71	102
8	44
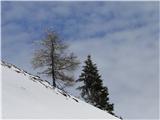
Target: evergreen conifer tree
92	90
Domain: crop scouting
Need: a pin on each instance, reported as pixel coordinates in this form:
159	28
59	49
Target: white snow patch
27	96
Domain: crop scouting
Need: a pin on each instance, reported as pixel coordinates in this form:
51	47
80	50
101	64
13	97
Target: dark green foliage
93	91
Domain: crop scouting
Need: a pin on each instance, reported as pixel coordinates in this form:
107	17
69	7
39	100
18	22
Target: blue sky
122	38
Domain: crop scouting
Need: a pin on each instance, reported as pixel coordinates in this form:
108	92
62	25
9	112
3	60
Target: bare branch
63	62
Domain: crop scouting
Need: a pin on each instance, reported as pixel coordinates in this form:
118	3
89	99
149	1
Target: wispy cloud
129	67
122	38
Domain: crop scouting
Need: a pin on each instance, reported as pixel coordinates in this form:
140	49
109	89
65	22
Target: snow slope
27	96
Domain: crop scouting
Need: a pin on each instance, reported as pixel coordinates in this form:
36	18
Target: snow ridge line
35	78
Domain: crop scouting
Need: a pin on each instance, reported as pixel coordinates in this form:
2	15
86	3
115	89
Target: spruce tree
92	90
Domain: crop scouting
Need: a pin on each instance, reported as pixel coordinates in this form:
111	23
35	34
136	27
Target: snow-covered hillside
27	96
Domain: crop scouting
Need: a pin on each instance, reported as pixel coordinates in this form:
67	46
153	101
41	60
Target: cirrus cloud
122	38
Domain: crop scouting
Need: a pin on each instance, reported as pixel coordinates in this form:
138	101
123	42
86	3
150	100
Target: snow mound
27	96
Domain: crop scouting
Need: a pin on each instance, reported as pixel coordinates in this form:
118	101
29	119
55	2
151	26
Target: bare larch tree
52	56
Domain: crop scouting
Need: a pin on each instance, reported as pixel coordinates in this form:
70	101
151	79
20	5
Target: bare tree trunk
52	57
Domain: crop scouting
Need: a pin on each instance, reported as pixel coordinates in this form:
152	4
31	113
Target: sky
121	37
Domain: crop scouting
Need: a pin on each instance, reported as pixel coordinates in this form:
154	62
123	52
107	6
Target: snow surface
27	96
